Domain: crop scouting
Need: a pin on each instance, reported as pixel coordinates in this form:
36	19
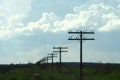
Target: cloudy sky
30	28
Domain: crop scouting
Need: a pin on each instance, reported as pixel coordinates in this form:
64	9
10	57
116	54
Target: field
69	72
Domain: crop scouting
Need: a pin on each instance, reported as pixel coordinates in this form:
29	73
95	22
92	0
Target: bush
13	79
38	78
51	78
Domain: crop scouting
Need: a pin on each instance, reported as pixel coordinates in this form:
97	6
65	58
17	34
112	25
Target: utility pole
52	55
60	50
41	61
80	39
47	58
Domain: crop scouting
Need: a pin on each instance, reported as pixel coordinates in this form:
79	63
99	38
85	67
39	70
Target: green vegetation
36	73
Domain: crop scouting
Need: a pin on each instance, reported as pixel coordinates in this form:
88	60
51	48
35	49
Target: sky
29	29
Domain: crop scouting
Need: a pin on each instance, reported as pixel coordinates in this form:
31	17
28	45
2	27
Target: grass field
36	73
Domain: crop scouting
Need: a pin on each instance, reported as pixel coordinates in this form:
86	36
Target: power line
60	50
47	59
52	55
80	39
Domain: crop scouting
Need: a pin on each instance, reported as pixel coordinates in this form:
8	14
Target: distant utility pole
41	61
60	50
47	58
80	39
52	55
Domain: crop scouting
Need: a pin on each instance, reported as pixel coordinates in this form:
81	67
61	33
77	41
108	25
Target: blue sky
30	28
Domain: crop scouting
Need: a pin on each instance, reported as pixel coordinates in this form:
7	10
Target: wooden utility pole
52	55
80	39
47	58
60	50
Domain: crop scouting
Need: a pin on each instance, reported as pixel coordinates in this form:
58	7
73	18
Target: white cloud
109	16
50	22
15	6
16	20
94	16
100	6
5	33
111	25
12	14
97	16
